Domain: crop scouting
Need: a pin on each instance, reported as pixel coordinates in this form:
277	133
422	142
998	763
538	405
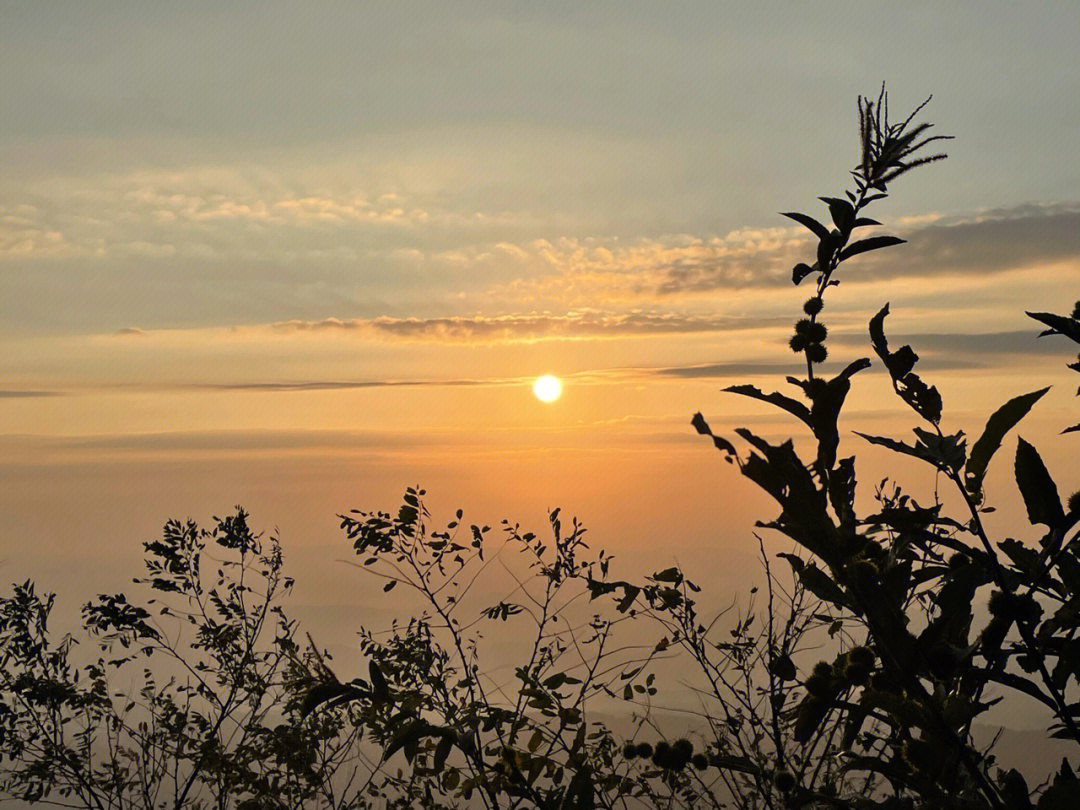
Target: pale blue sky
482	124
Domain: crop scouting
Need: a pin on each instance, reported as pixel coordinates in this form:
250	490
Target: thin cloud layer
662	269
475	328
992	242
529	327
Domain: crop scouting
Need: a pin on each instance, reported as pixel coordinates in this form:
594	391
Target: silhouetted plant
464	734
191	699
912	575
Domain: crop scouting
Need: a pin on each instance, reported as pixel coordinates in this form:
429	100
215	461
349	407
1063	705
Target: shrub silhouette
908	575
190	698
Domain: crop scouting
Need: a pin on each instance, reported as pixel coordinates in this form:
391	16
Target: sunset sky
300	257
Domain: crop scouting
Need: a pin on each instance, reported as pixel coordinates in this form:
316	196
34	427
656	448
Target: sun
547	388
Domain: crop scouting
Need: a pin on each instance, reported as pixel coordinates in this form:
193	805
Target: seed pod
1074	502
1001	605
816	353
865	573
683	750
861	656
818	686
784	781
958	560
817	332
813	305
1028	611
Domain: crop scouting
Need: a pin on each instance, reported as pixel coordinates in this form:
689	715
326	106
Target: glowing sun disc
547	388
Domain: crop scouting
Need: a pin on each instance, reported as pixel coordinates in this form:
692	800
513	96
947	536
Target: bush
193	697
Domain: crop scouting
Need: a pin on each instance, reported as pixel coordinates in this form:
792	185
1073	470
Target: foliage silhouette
911	576
193	698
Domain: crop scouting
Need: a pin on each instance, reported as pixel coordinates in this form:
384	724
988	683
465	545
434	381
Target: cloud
735	370
340	385
990	242
481	328
27	394
988	343
297	260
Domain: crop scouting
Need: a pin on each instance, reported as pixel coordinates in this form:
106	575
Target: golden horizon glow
547	388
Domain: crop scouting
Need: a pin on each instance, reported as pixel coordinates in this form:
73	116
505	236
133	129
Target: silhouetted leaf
949	450
379	688
792	406
868	244
827	401
801	271
915	451
407	739
320	694
1024	558
923	398
1038	489
797	563
842	213
899	363
808	717
826	249
1059	325
668	575
702	427
821	585
630	593
856	717
442	751
783	667
819	230
1064	793
842	490
1004	419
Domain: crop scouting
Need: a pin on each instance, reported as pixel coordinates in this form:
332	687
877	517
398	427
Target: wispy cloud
27	393
665	268
991	242
986	343
339	385
481	328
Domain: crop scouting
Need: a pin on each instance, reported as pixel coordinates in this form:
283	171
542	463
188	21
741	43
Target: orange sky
302	260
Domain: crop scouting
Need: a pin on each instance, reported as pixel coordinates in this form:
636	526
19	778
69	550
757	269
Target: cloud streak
479	328
27	394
